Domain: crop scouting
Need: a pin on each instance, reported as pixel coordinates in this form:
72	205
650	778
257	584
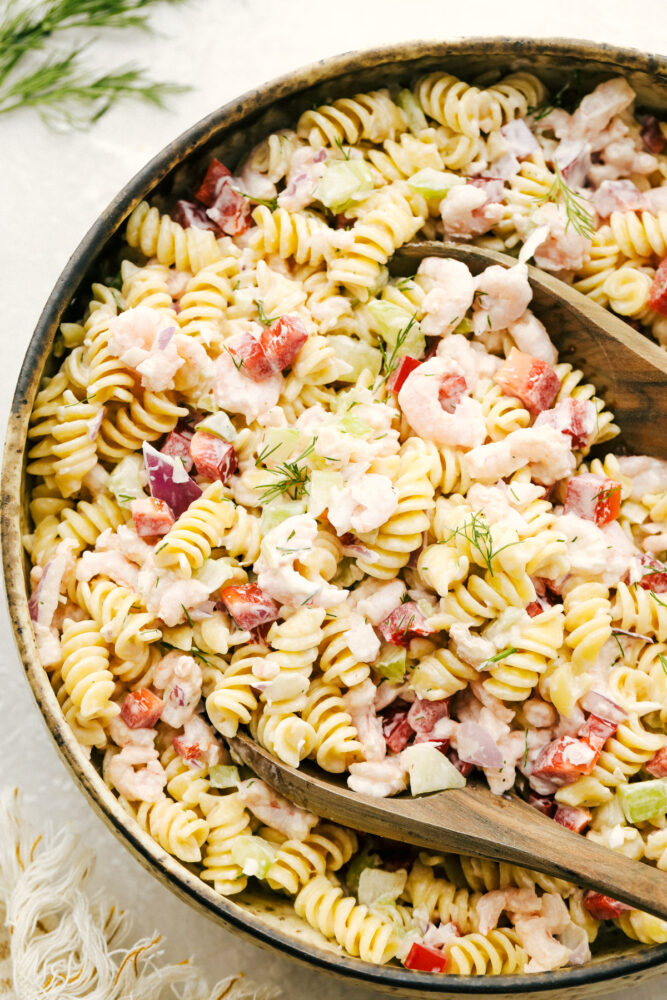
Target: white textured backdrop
53	186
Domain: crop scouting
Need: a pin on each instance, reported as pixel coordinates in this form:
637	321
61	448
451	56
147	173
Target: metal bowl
228	133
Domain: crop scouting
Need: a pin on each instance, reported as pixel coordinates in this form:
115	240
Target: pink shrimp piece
111	564
132	333
616	196
648	475
364	505
376	600
492	904
539	714
236	393
530	336
198	744
468	211
195	376
160	365
379	778
122	734
544	449
276	811
419	399
126	541
599	107
564	248
545	952
180	677
449	297
360	703
137	774
474	359
503	295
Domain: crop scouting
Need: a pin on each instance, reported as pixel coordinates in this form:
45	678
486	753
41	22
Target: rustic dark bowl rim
177	876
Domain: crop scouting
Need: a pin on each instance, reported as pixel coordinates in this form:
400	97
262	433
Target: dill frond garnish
391	360
291	479
578	216
477	532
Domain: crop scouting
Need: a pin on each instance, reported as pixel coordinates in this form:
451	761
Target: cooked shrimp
419	399
503	295
449	297
146	783
180	677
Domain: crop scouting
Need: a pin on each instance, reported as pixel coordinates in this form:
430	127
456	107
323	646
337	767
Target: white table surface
53	186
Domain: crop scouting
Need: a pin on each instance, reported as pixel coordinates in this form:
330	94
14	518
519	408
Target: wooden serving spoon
628	370
631	373
470	820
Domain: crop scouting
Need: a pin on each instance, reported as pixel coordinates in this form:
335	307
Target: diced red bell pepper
593	498
141	709
230	211
151	516
604	907
565	759
177	445
657	296
573	818
403	624
463	766
283	340
534	609
188	751
542	803
251	358
249	606
577	418
421	958
450	391
657	765
405	366
396	730
531	380
657	582
191	216
214	458
596	731
210	186
423	716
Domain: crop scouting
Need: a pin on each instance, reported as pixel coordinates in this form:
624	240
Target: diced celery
366	858
434	183
254	855
343	182
465	326
224	776
391	321
275	514
380	888
358	355
218	424
411	108
282	444
127	480
215	573
429	770
643	800
322	484
354	426
391	662
73	334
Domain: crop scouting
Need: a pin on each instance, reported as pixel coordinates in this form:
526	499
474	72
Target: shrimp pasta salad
275	488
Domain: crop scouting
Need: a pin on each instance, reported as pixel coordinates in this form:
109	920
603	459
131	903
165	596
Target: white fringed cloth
60	941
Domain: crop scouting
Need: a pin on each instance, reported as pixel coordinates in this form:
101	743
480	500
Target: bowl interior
229	133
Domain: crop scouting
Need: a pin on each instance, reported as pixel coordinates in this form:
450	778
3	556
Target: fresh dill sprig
477	532
569	94
271	203
340	146
391	361
261	315
59	86
291	479
578	216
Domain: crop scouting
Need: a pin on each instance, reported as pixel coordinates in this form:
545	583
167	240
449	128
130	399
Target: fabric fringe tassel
61	942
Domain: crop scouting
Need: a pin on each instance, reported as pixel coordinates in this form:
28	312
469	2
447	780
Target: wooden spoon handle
470	820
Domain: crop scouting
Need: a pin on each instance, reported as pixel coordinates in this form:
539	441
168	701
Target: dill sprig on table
58	85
